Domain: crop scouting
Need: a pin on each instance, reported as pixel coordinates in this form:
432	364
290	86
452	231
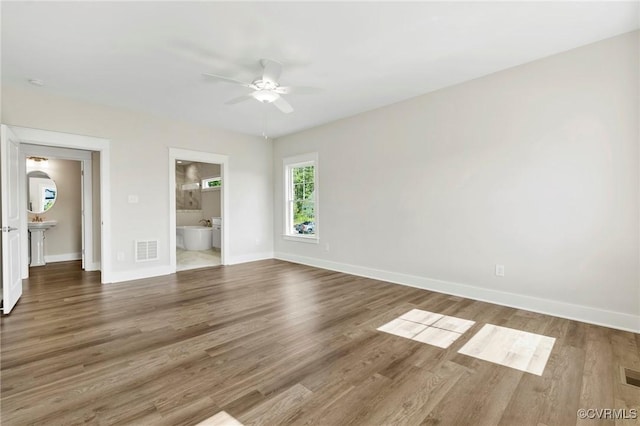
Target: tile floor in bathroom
191	259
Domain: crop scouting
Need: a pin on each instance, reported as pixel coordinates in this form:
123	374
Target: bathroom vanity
36	232
42	193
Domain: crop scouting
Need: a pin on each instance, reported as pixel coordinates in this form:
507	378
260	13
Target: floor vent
630	377
146	250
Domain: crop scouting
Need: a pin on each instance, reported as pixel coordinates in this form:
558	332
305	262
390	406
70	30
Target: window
211	183
301	197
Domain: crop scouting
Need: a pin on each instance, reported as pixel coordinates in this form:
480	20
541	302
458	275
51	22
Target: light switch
133	199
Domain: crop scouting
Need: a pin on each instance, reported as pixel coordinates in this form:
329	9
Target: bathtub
193	237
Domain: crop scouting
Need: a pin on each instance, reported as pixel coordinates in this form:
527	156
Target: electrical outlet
500	270
326	247
120	256
133	199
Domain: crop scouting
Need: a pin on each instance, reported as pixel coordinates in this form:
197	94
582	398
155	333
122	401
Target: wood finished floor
273	343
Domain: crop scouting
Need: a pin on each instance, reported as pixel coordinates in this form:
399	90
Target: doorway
198	209
198	215
93	155
59	197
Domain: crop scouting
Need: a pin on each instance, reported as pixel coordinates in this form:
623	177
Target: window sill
302	239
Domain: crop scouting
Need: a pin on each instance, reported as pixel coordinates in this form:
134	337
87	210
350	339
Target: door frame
88	143
200	157
86	198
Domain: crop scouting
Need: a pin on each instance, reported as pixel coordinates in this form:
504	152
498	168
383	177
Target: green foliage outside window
303	195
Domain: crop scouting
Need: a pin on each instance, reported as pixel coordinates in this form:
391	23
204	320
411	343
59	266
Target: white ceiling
149	56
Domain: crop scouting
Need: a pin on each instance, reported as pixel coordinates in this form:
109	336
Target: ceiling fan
266	88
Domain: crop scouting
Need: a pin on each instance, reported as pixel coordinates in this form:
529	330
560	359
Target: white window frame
289	163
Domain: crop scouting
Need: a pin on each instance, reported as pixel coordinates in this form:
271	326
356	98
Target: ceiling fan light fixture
265	96
260	84
266	88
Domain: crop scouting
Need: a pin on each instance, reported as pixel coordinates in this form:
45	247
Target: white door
10	206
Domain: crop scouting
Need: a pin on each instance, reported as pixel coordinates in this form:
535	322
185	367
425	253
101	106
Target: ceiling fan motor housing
261	84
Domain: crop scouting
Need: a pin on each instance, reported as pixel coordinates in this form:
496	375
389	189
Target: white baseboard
622	321
138	274
92	266
234	260
52	258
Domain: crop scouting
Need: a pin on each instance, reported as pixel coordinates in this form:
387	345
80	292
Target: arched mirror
41	192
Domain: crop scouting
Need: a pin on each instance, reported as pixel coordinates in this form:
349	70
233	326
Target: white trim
307	157
52	258
250	258
301	239
138	274
53	152
24	228
201	157
87	211
88	143
92	266
310	158
618	320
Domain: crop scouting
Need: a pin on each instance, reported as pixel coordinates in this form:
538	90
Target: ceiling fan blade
298	90
225	79
272	70
283	105
238	99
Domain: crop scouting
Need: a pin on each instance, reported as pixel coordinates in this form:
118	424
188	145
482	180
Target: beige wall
211	203
188	187
535	167
188	217
64	241
139	166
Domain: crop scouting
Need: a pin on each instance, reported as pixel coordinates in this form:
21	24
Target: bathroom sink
37	230
42	225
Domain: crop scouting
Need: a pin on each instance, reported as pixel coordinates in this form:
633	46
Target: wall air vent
630	377
146	250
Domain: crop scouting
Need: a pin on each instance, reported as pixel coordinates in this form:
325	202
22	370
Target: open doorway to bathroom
198	214
93	154
54	210
216	184
61	190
